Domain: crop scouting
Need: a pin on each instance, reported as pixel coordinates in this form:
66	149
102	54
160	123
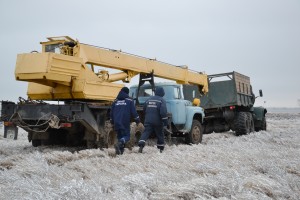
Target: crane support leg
143	78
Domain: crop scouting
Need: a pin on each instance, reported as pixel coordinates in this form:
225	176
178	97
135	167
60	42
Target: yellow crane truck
75	78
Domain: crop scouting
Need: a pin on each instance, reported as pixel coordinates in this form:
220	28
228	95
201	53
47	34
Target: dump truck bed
228	89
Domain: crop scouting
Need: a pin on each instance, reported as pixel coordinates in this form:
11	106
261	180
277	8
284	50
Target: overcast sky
258	38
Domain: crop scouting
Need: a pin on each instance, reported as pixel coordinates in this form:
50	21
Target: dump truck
229	104
71	87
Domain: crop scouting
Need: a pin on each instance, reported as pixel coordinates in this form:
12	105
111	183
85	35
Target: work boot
122	149
141	149
141	144
161	148
118	149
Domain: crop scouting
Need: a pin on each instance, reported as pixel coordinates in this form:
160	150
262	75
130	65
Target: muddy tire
36	142
251	122
242	126
132	142
195	135
90	144
110	136
135	135
264	124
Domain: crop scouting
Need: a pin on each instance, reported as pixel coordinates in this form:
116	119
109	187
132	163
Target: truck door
176	105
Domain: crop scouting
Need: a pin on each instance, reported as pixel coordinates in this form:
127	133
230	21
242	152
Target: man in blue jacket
156	119
122	110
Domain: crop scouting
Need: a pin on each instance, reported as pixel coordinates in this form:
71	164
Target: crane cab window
52	48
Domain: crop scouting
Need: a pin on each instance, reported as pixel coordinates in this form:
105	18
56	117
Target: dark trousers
158	130
123	136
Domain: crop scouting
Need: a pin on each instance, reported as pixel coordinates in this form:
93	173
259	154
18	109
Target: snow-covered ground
262	165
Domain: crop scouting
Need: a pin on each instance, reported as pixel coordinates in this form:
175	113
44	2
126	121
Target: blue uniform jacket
122	110
155	109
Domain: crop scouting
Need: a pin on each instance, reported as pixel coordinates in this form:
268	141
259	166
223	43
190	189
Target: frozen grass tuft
261	165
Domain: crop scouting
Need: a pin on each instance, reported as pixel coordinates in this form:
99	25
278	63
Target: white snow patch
261	165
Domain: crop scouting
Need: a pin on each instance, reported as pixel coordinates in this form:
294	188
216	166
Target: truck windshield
145	92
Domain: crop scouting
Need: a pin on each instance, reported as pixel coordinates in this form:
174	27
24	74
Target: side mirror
260	93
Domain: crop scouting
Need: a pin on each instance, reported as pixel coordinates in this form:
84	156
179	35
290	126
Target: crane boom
65	69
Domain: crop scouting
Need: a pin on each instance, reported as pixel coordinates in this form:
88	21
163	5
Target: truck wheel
36	142
264	124
208	128
133	141
251	122
242	126
90	144
5	133
110	137
195	135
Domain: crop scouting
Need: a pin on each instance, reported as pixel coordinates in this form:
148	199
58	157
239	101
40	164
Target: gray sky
258	38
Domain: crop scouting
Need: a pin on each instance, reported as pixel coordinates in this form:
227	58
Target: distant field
284	110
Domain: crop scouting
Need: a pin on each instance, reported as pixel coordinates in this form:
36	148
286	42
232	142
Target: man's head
159	91
125	89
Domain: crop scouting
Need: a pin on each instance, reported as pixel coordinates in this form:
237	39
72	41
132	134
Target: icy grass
262	165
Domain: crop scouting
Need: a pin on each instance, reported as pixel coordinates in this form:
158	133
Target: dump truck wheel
264	124
5	134
36	142
242	126
195	135
251	122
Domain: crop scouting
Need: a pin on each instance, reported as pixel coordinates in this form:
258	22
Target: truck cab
185	119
